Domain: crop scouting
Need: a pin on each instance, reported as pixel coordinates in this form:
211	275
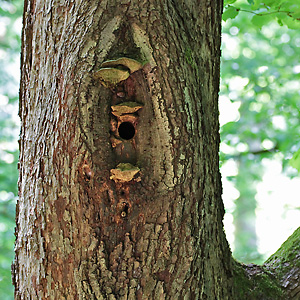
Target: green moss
241	282
188	53
286	255
266	287
288	249
253	282
126	167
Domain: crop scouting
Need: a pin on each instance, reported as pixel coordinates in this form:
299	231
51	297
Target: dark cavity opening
126	130
125	209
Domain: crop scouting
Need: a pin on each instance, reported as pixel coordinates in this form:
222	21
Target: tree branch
285	265
254	152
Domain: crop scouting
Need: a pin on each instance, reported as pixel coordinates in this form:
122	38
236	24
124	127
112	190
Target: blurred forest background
259	115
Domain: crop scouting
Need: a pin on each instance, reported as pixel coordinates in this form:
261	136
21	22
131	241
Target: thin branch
257	152
266	13
289	13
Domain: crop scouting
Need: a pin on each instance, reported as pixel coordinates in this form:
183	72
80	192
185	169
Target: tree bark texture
88	228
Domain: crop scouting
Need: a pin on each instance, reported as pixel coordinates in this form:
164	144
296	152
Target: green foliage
260	20
260	75
230	13
285	12
227	2
295	161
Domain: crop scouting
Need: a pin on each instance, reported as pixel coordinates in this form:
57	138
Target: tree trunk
121	200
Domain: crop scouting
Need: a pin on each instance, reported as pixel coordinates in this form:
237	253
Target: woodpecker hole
124	212
126	130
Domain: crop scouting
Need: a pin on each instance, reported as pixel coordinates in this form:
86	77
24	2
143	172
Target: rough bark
284	265
83	231
276	279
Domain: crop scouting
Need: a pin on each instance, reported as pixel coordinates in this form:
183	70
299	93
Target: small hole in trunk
126	130
125	209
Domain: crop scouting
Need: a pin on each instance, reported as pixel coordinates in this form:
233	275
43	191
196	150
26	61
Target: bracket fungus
114	71
125	108
124	172
110	76
129	63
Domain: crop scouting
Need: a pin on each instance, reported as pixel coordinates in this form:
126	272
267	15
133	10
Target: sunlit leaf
291	23
226	2
260	20
295	160
230	13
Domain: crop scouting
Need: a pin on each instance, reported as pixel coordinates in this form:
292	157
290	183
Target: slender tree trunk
121	200
245	237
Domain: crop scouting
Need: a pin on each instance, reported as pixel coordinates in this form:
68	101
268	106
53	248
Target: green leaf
230	13
272	3
290	22
255	4
260	20
226	2
295	160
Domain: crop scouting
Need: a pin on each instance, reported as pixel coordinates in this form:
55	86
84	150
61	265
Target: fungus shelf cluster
115	75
